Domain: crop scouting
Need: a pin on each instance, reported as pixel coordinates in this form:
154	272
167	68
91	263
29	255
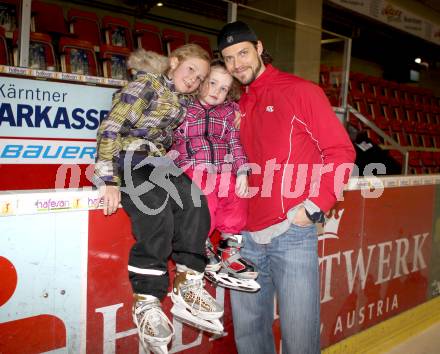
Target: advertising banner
375	255
41	109
109	297
49	124
395	16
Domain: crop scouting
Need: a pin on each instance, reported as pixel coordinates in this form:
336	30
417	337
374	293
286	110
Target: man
300	156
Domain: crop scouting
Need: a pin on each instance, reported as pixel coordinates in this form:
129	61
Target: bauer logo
13	151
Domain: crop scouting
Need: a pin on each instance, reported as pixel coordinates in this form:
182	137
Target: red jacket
289	121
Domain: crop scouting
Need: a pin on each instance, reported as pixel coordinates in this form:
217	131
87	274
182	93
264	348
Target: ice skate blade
212	326
213	267
162	349
226	281
160	345
241	276
207	316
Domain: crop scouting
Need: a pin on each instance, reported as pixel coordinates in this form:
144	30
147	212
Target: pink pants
228	211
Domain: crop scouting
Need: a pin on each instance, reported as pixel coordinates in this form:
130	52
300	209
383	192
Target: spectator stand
399	118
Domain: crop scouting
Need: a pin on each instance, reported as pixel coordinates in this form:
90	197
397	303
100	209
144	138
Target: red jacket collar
264	78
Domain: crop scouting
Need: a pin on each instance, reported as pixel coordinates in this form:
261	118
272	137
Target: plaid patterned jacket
143	116
208	136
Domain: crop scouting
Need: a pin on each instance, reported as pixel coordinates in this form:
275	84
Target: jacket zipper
211	146
188	149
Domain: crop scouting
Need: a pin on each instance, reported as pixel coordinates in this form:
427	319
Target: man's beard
254	74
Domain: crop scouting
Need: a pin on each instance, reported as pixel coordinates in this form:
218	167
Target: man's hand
241	185
111	197
301	218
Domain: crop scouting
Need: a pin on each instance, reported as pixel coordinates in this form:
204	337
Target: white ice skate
154	328
228	269
193	305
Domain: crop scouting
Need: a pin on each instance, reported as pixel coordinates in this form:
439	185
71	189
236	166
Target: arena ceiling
432	4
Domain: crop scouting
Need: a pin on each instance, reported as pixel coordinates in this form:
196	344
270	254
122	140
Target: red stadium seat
406	95
415	140
399	112
148	37
436	156
117	32
436	140
85	25
202	41
381	88
4	53
369	86
8	14
393	91
41	52
428	159
114	61
378	115
401	138
324	76
360	105
173	39
78	57
48	18
356	84
374	137
411	113
428	141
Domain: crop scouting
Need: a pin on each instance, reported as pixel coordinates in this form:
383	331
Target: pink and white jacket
208	136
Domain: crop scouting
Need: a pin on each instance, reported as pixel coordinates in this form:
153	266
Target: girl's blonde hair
190	50
152	62
234	92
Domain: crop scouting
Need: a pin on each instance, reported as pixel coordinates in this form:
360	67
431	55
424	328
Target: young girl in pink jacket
210	153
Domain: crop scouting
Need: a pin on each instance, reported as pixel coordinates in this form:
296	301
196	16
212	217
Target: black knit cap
233	33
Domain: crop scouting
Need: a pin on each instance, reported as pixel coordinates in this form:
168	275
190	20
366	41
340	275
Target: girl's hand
237	119
111	197
241	186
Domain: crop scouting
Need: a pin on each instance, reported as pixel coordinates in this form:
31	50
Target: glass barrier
307	51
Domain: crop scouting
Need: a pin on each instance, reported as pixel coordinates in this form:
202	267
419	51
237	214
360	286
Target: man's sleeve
334	145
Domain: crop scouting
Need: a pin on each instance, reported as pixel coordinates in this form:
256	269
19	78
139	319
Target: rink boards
64	278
